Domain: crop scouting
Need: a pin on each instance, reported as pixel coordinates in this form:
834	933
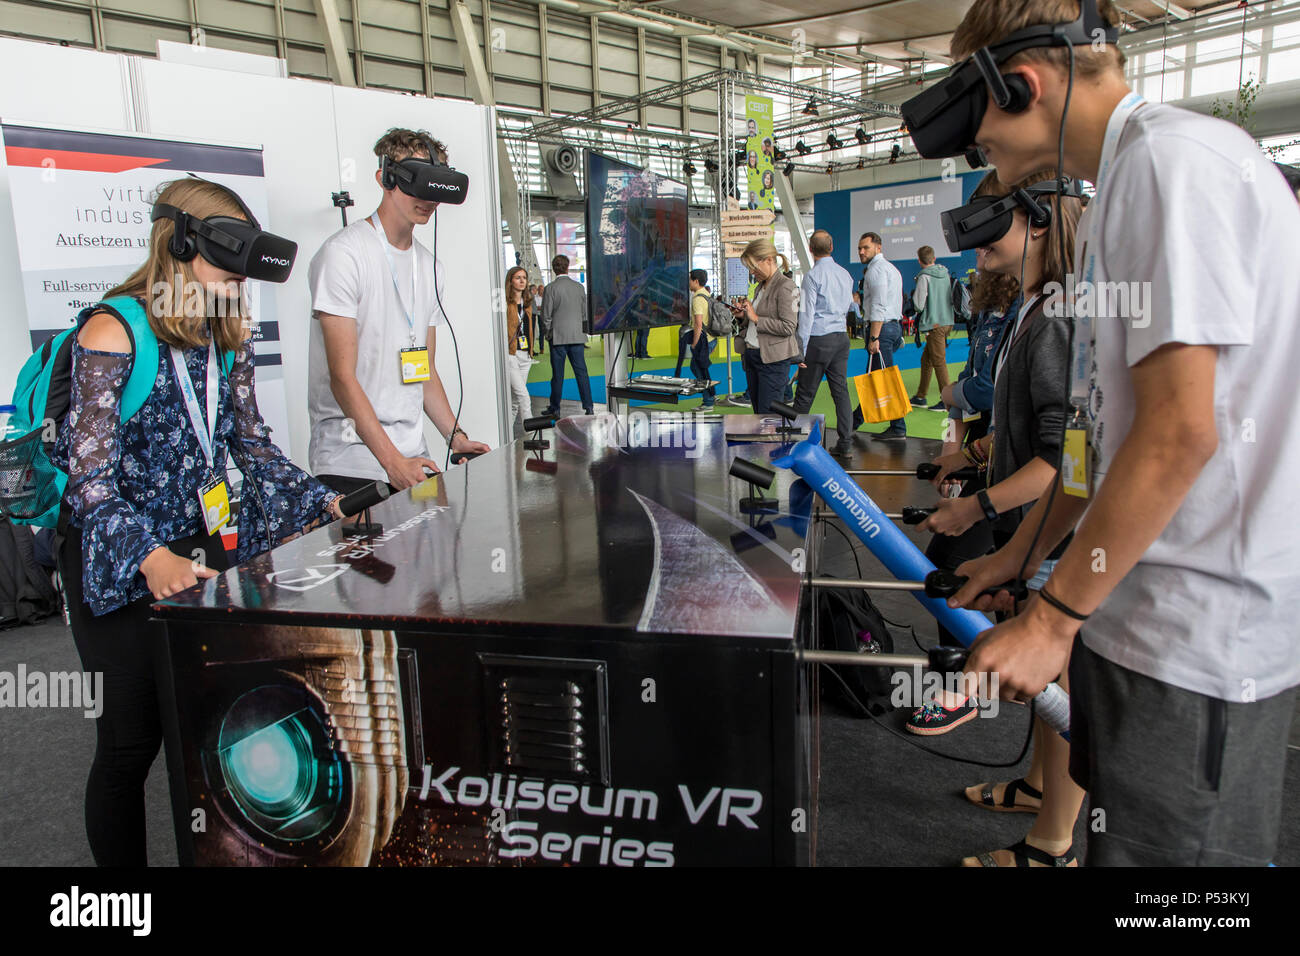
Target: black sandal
1008	804
1023	853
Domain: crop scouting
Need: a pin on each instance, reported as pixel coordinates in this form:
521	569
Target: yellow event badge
415	365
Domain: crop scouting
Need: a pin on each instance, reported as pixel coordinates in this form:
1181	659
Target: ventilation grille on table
548	716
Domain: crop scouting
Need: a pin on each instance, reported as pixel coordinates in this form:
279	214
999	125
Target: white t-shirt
350	277
1193	209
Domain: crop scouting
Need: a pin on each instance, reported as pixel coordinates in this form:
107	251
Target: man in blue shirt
881	290
824	300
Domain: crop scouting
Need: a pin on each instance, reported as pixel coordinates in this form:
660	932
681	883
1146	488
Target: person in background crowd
700	345
881	292
1030	364
564	306
1292	176
519	322
641	344
824	300
375	300
932	299
134	503
771	338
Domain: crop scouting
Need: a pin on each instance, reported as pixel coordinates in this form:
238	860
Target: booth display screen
638	249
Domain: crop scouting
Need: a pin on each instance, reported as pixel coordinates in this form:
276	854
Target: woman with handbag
771	337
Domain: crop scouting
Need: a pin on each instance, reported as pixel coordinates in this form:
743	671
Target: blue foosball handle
811	462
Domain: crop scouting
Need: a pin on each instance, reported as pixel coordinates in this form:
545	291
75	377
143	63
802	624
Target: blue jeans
891	339
769	382
578	360
700	365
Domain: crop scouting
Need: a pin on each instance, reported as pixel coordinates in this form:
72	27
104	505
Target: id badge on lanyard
214	493
413	361
1079	454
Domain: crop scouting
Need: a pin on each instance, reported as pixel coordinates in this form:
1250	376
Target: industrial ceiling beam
336	47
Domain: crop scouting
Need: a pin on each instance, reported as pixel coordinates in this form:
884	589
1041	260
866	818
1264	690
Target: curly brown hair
399	143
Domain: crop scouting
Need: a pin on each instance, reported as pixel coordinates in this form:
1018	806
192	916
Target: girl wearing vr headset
146	497
1019	455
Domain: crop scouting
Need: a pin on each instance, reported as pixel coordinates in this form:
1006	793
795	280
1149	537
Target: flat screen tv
638	248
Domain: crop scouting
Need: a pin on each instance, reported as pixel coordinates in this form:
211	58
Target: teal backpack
31	487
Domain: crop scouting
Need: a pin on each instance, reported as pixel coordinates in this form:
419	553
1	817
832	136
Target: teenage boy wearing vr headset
1178	458
377	299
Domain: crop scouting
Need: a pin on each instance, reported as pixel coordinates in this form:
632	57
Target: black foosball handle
944	584
927	470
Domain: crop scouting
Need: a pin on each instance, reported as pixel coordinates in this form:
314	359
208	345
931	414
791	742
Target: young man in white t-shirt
1185	560
375	296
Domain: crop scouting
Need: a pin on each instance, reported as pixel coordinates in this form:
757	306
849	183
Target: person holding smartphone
772	333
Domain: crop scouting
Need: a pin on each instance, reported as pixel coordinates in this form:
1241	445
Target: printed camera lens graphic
278	766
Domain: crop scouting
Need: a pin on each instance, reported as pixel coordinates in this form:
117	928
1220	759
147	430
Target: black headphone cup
1018	93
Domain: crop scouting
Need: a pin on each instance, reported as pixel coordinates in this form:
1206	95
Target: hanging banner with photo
82	203
760	166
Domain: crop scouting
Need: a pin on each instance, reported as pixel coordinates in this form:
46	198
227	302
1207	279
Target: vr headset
236	245
945	119
426	179
986	219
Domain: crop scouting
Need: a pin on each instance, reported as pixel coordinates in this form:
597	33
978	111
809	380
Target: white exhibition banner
82	202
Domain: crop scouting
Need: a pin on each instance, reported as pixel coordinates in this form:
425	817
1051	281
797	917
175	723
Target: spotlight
740	157
830	169
862	164
801	149
895	153
833	141
789	170
711	166
688	168
778	154
862	136
811	108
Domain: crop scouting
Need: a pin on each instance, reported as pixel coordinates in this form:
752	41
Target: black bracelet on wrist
990	513
1061	606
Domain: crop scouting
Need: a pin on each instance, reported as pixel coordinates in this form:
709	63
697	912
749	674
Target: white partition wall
316	139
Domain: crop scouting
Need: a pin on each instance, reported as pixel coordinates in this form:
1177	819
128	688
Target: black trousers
128	733
828	356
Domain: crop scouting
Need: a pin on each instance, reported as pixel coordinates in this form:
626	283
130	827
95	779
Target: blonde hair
989	22
763	249
1057	260
167	313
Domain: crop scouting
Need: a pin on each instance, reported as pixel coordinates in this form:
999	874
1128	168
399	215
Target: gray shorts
1174	778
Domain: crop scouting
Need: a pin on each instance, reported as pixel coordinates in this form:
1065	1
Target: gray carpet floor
882	801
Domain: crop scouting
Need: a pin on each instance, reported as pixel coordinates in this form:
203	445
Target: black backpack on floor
26	593
847	620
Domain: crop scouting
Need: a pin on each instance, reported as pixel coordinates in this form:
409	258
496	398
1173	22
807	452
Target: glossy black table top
630	525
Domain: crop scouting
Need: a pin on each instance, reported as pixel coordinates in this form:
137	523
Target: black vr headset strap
248	213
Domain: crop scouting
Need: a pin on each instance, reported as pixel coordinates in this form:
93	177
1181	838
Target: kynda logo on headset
274	260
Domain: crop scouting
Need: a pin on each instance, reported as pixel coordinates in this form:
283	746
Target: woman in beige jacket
771	340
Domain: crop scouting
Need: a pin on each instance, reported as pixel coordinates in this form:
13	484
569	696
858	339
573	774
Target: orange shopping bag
881	393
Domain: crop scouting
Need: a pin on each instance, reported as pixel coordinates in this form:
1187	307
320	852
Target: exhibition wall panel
316	139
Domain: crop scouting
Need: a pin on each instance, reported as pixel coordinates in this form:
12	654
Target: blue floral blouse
134	486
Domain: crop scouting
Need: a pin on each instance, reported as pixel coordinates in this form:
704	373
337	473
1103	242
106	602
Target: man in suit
564	306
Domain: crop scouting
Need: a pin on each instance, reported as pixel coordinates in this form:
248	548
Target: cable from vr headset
1060	232
460	379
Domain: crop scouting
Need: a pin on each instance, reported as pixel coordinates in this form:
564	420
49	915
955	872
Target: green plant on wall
1241	109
